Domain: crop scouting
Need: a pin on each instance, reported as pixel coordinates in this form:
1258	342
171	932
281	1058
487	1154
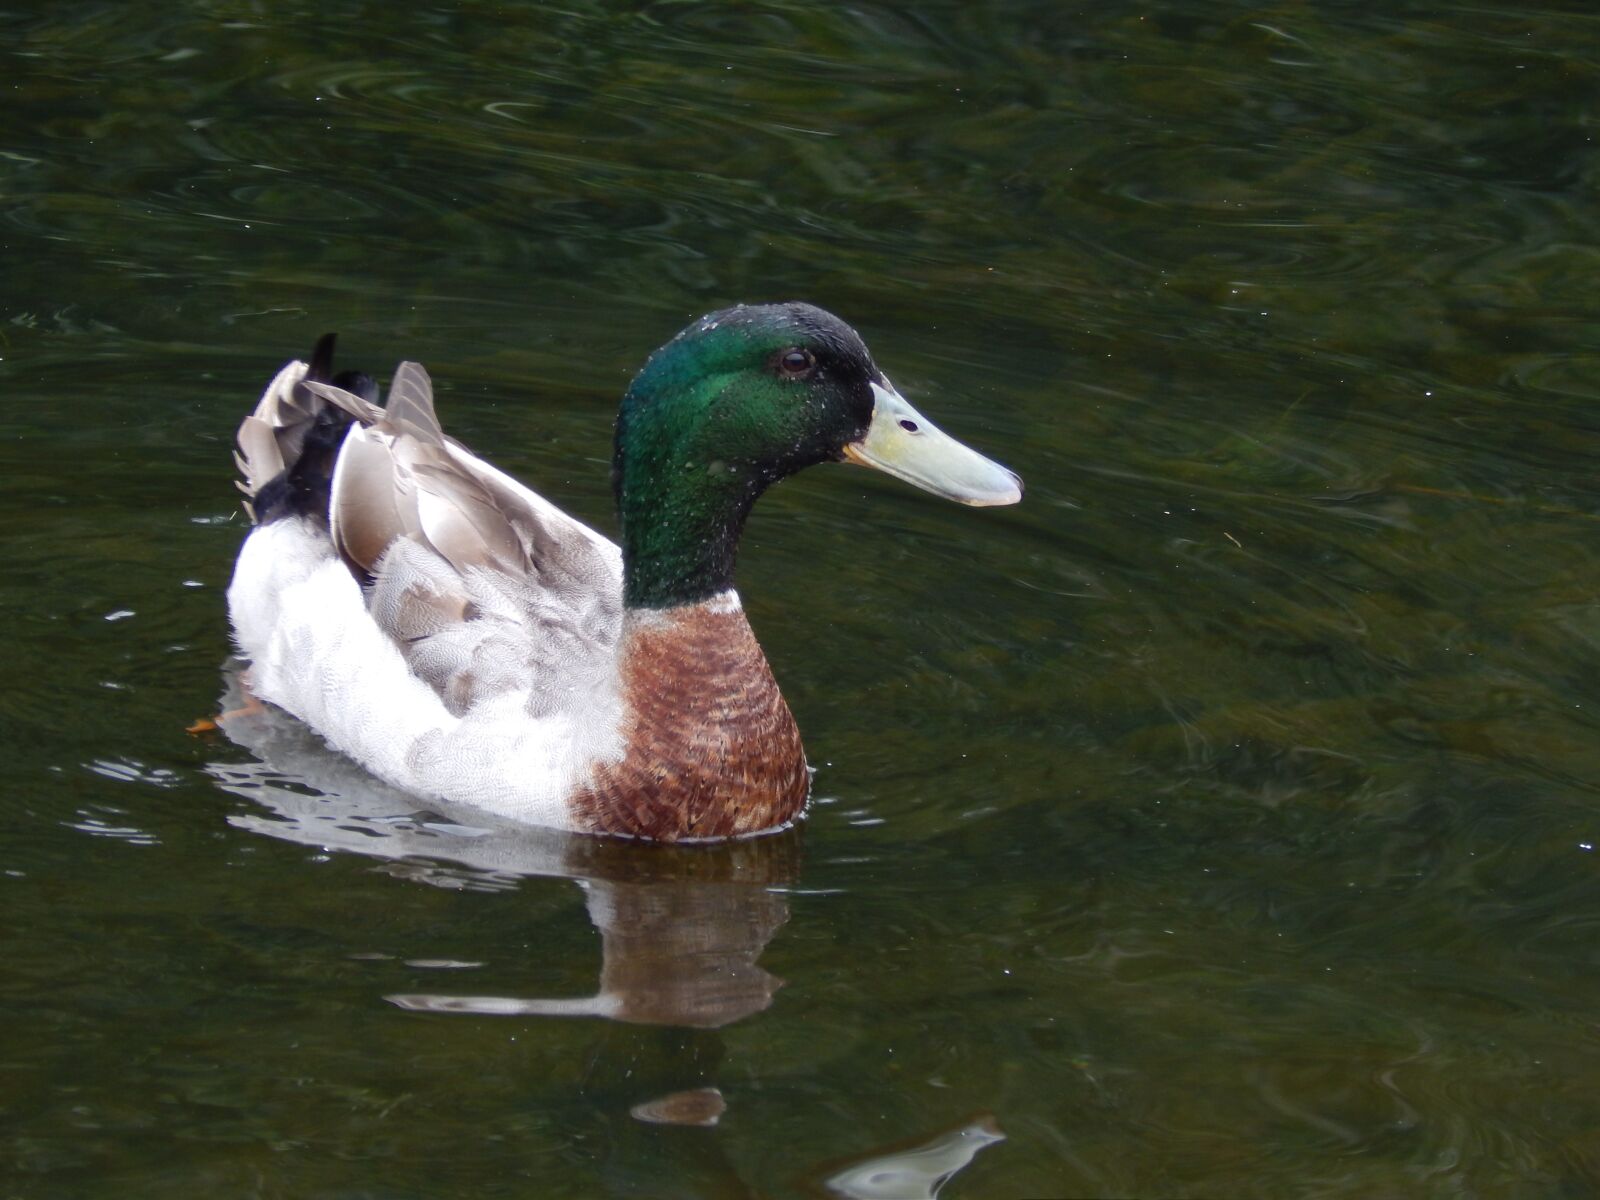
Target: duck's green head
734	403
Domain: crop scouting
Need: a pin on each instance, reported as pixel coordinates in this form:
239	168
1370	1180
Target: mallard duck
465	640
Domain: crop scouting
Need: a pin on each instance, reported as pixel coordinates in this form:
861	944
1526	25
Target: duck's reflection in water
674	951
681	930
681	927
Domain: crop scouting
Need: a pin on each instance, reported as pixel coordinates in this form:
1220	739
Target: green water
1221	821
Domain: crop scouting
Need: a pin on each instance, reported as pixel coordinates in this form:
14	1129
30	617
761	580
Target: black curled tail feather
289	445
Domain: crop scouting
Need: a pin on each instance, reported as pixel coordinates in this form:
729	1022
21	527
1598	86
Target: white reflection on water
917	1173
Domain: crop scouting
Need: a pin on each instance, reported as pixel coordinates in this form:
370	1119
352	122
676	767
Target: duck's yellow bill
907	445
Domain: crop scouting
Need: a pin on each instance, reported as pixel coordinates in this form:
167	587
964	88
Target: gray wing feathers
411	400
275	433
259	457
461	519
353	404
484	586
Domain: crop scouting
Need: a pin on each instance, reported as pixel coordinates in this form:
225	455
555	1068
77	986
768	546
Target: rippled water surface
1221	821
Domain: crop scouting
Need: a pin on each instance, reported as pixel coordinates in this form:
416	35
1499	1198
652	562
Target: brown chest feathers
711	748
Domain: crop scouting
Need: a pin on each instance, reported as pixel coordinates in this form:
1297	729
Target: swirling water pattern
1222	820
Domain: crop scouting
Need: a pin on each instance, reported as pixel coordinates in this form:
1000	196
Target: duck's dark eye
796	363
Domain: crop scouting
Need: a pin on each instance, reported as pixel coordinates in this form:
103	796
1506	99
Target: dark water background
1220	822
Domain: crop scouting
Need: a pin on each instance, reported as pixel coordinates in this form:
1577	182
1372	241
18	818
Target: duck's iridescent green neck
682	514
682	502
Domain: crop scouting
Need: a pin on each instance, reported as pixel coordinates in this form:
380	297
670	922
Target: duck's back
430	616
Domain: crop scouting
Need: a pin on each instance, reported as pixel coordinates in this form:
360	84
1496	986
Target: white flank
300	618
